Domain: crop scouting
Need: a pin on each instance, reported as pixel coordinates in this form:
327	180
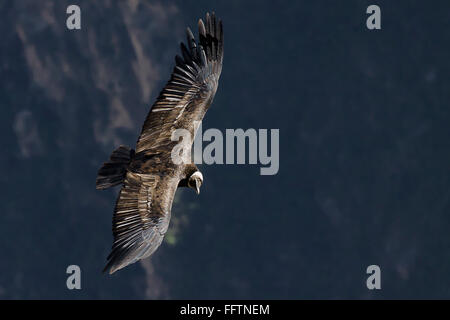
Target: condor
148	175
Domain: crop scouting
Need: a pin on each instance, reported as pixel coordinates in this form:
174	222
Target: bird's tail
113	172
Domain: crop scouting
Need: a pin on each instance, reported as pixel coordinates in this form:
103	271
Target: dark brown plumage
148	175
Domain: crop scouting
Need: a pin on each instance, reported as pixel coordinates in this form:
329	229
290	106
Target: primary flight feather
148	175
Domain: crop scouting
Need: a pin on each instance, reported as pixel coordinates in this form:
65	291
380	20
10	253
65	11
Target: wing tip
197	54
111	267
107	270
211	36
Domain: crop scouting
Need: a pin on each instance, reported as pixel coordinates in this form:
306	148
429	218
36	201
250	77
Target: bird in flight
148	175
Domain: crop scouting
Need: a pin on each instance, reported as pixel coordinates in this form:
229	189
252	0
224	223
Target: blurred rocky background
364	149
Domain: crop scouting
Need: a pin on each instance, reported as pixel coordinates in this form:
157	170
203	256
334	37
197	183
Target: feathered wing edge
135	232
198	61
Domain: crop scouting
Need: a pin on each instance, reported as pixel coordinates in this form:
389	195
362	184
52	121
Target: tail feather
113	172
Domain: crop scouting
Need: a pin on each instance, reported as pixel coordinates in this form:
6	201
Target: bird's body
149	176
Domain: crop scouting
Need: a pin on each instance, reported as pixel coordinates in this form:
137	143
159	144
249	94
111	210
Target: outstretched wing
141	218
190	90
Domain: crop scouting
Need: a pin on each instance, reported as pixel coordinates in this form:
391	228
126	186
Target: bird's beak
197	188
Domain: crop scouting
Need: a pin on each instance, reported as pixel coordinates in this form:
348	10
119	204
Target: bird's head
195	181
